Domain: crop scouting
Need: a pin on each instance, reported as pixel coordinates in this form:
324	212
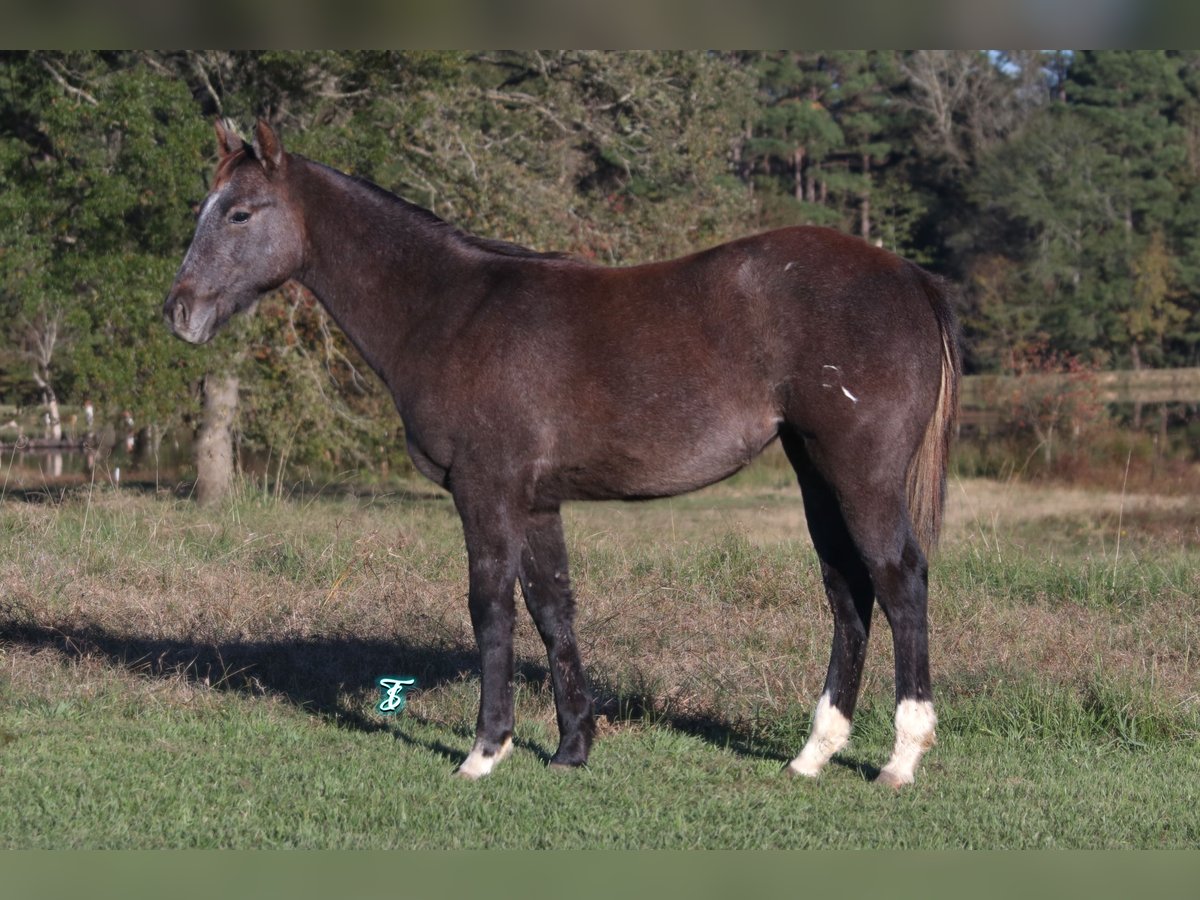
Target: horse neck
380	266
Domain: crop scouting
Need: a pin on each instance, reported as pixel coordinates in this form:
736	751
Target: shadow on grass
59	490
322	674
624	706
865	770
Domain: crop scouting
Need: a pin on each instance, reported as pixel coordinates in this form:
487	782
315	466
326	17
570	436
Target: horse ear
267	146
229	141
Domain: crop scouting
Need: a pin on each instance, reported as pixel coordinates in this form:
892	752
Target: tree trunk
54	423
746	169
798	168
1135	357
214	445
865	223
55	418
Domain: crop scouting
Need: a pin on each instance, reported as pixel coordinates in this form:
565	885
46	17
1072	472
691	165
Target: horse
527	379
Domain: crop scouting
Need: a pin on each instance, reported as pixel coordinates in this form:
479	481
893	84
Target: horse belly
654	459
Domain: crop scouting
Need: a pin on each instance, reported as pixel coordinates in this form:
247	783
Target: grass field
171	677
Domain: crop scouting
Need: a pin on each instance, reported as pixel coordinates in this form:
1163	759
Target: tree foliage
1058	188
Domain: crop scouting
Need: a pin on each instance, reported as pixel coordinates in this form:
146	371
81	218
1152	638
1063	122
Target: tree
828	145
614	157
1152	312
1078	196
39	341
968	101
99	159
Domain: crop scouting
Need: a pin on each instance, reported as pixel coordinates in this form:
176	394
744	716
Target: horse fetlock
830	733
915	734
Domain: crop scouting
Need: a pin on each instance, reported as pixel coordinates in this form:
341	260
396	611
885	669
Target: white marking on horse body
747	279
831	385
788	267
476	765
915	723
830	733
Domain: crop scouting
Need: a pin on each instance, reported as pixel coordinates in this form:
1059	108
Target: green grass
177	678
1088	581
241	776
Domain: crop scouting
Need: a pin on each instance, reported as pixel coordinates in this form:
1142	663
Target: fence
983	396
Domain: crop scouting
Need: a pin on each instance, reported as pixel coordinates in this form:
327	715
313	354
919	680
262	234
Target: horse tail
926	481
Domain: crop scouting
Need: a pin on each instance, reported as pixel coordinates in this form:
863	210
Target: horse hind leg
880	526
903	595
868	550
851	598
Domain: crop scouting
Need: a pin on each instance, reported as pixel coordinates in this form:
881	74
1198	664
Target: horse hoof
791	771
478	763
559	766
892	780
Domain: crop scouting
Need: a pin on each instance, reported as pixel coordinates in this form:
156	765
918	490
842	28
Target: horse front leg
546	584
493	552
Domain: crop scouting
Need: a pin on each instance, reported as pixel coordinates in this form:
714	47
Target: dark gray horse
526	379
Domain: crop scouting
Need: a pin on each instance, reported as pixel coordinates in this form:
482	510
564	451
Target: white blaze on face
206	208
830	733
476	765
915	723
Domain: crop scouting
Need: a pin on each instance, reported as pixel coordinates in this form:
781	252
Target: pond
102	459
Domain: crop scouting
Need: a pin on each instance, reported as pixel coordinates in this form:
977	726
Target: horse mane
503	248
464	238
456	234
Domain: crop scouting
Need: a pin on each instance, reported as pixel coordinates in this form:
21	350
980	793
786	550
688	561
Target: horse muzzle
188	320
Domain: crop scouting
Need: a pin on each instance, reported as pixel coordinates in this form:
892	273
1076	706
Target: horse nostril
179	315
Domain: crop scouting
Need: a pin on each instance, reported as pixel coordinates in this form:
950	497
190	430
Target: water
107	461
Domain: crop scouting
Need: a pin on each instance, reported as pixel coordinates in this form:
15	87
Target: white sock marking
830	733
915	723
476	765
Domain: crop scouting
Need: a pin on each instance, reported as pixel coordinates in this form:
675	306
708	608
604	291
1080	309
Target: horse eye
239	217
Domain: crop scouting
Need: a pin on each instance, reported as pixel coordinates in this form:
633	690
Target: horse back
660	378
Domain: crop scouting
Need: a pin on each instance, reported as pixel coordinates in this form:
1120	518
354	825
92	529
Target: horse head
249	237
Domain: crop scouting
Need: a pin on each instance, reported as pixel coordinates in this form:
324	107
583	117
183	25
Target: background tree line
1058	189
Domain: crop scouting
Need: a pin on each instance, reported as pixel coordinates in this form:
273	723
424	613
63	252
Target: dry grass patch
984	510
688	612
